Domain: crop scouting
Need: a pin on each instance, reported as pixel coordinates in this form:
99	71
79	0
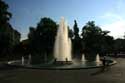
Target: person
104	61
66	59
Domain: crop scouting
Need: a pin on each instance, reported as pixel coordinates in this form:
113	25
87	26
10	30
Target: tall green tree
70	33
91	35
76	29
4	14
107	43
43	37
46	29
9	37
76	41
119	45
95	40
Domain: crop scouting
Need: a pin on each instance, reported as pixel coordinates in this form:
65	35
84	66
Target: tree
32	39
91	35
119	45
76	41
46	29
76	29
107	44
95	40
4	14
42	37
70	33
9	37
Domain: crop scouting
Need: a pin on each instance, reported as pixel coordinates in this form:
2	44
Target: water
83	57
29	60
62	48
98	58
22	60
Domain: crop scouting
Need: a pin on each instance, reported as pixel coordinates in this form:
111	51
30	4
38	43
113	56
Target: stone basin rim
113	62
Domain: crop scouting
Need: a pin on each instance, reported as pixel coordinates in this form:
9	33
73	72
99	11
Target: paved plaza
113	74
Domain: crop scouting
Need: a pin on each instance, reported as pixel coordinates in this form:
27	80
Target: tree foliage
9	37
95	40
76	29
42	37
76	41
4	14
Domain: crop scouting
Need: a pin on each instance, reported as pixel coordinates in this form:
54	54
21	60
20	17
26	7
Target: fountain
22	60
62	55
97	58
29	60
83	58
62	49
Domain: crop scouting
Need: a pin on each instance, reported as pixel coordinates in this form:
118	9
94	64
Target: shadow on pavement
101	70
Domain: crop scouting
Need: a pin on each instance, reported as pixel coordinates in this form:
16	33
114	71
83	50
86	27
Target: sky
108	14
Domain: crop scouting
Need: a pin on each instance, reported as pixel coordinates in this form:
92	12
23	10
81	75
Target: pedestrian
103	63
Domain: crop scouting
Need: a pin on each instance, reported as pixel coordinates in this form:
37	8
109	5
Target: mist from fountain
22	60
62	48
98	58
83	57
29	60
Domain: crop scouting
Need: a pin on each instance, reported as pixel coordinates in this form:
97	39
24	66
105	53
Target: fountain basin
63	65
63	62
